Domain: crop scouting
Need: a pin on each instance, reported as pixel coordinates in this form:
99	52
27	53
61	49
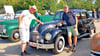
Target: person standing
71	20
98	14
49	12
46	13
93	14
24	21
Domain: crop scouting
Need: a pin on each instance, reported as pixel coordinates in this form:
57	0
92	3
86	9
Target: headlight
48	36
4	30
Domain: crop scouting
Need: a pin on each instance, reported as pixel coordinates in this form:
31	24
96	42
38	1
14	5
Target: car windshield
58	15
8	17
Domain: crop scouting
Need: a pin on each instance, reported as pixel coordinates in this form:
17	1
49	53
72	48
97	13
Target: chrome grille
34	36
1	28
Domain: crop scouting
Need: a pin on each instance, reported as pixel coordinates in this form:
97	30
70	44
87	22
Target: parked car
95	45
50	36
9	28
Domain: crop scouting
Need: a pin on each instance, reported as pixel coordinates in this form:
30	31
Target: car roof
74	10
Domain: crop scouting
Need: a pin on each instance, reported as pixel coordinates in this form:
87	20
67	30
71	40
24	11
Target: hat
33	7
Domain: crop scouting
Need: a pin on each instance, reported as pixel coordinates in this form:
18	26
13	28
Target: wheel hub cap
60	44
16	35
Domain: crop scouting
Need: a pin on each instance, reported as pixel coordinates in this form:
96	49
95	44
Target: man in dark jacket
71	20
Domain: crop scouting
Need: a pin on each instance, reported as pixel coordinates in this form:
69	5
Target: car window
78	16
58	15
83	14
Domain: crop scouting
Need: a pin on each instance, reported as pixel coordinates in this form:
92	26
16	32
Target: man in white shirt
24	23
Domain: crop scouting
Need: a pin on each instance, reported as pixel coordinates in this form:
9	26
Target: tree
98	3
42	5
61	4
85	4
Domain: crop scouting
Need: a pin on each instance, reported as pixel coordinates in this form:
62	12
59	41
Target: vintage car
95	45
9	28
50	36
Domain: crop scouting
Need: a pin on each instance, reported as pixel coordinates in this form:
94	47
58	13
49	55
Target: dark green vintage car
9	28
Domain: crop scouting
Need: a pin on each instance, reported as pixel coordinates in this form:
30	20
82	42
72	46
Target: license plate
33	44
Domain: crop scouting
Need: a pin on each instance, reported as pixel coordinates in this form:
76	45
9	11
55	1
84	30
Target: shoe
74	49
69	50
22	54
27	53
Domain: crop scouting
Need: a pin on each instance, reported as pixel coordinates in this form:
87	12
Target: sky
93	1
58	1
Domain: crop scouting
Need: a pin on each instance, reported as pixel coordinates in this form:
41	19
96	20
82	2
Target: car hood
47	26
9	22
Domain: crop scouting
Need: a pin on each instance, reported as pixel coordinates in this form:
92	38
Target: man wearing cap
71	21
24	23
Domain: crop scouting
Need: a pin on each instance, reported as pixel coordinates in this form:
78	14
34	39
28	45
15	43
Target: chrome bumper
41	46
94	53
1	35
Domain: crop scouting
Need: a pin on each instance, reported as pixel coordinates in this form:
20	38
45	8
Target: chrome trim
2	27
4	35
95	52
80	36
42	46
90	23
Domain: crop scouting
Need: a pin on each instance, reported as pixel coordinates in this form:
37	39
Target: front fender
10	28
53	32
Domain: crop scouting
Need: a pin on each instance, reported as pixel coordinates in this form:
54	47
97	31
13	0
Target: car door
78	15
85	21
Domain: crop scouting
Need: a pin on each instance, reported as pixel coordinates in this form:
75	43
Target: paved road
8	48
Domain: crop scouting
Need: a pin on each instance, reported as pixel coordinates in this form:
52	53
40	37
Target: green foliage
85	4
51	5
42	5
98	3
61	4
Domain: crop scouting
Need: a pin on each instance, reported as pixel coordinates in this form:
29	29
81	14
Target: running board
80	36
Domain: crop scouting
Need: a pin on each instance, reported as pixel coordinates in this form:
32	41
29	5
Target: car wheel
59	44
15	37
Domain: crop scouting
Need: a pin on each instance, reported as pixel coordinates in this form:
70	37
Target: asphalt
7	48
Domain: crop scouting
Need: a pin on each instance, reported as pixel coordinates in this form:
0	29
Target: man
46	13
98	14
49	12
71	21
24	23
93	14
